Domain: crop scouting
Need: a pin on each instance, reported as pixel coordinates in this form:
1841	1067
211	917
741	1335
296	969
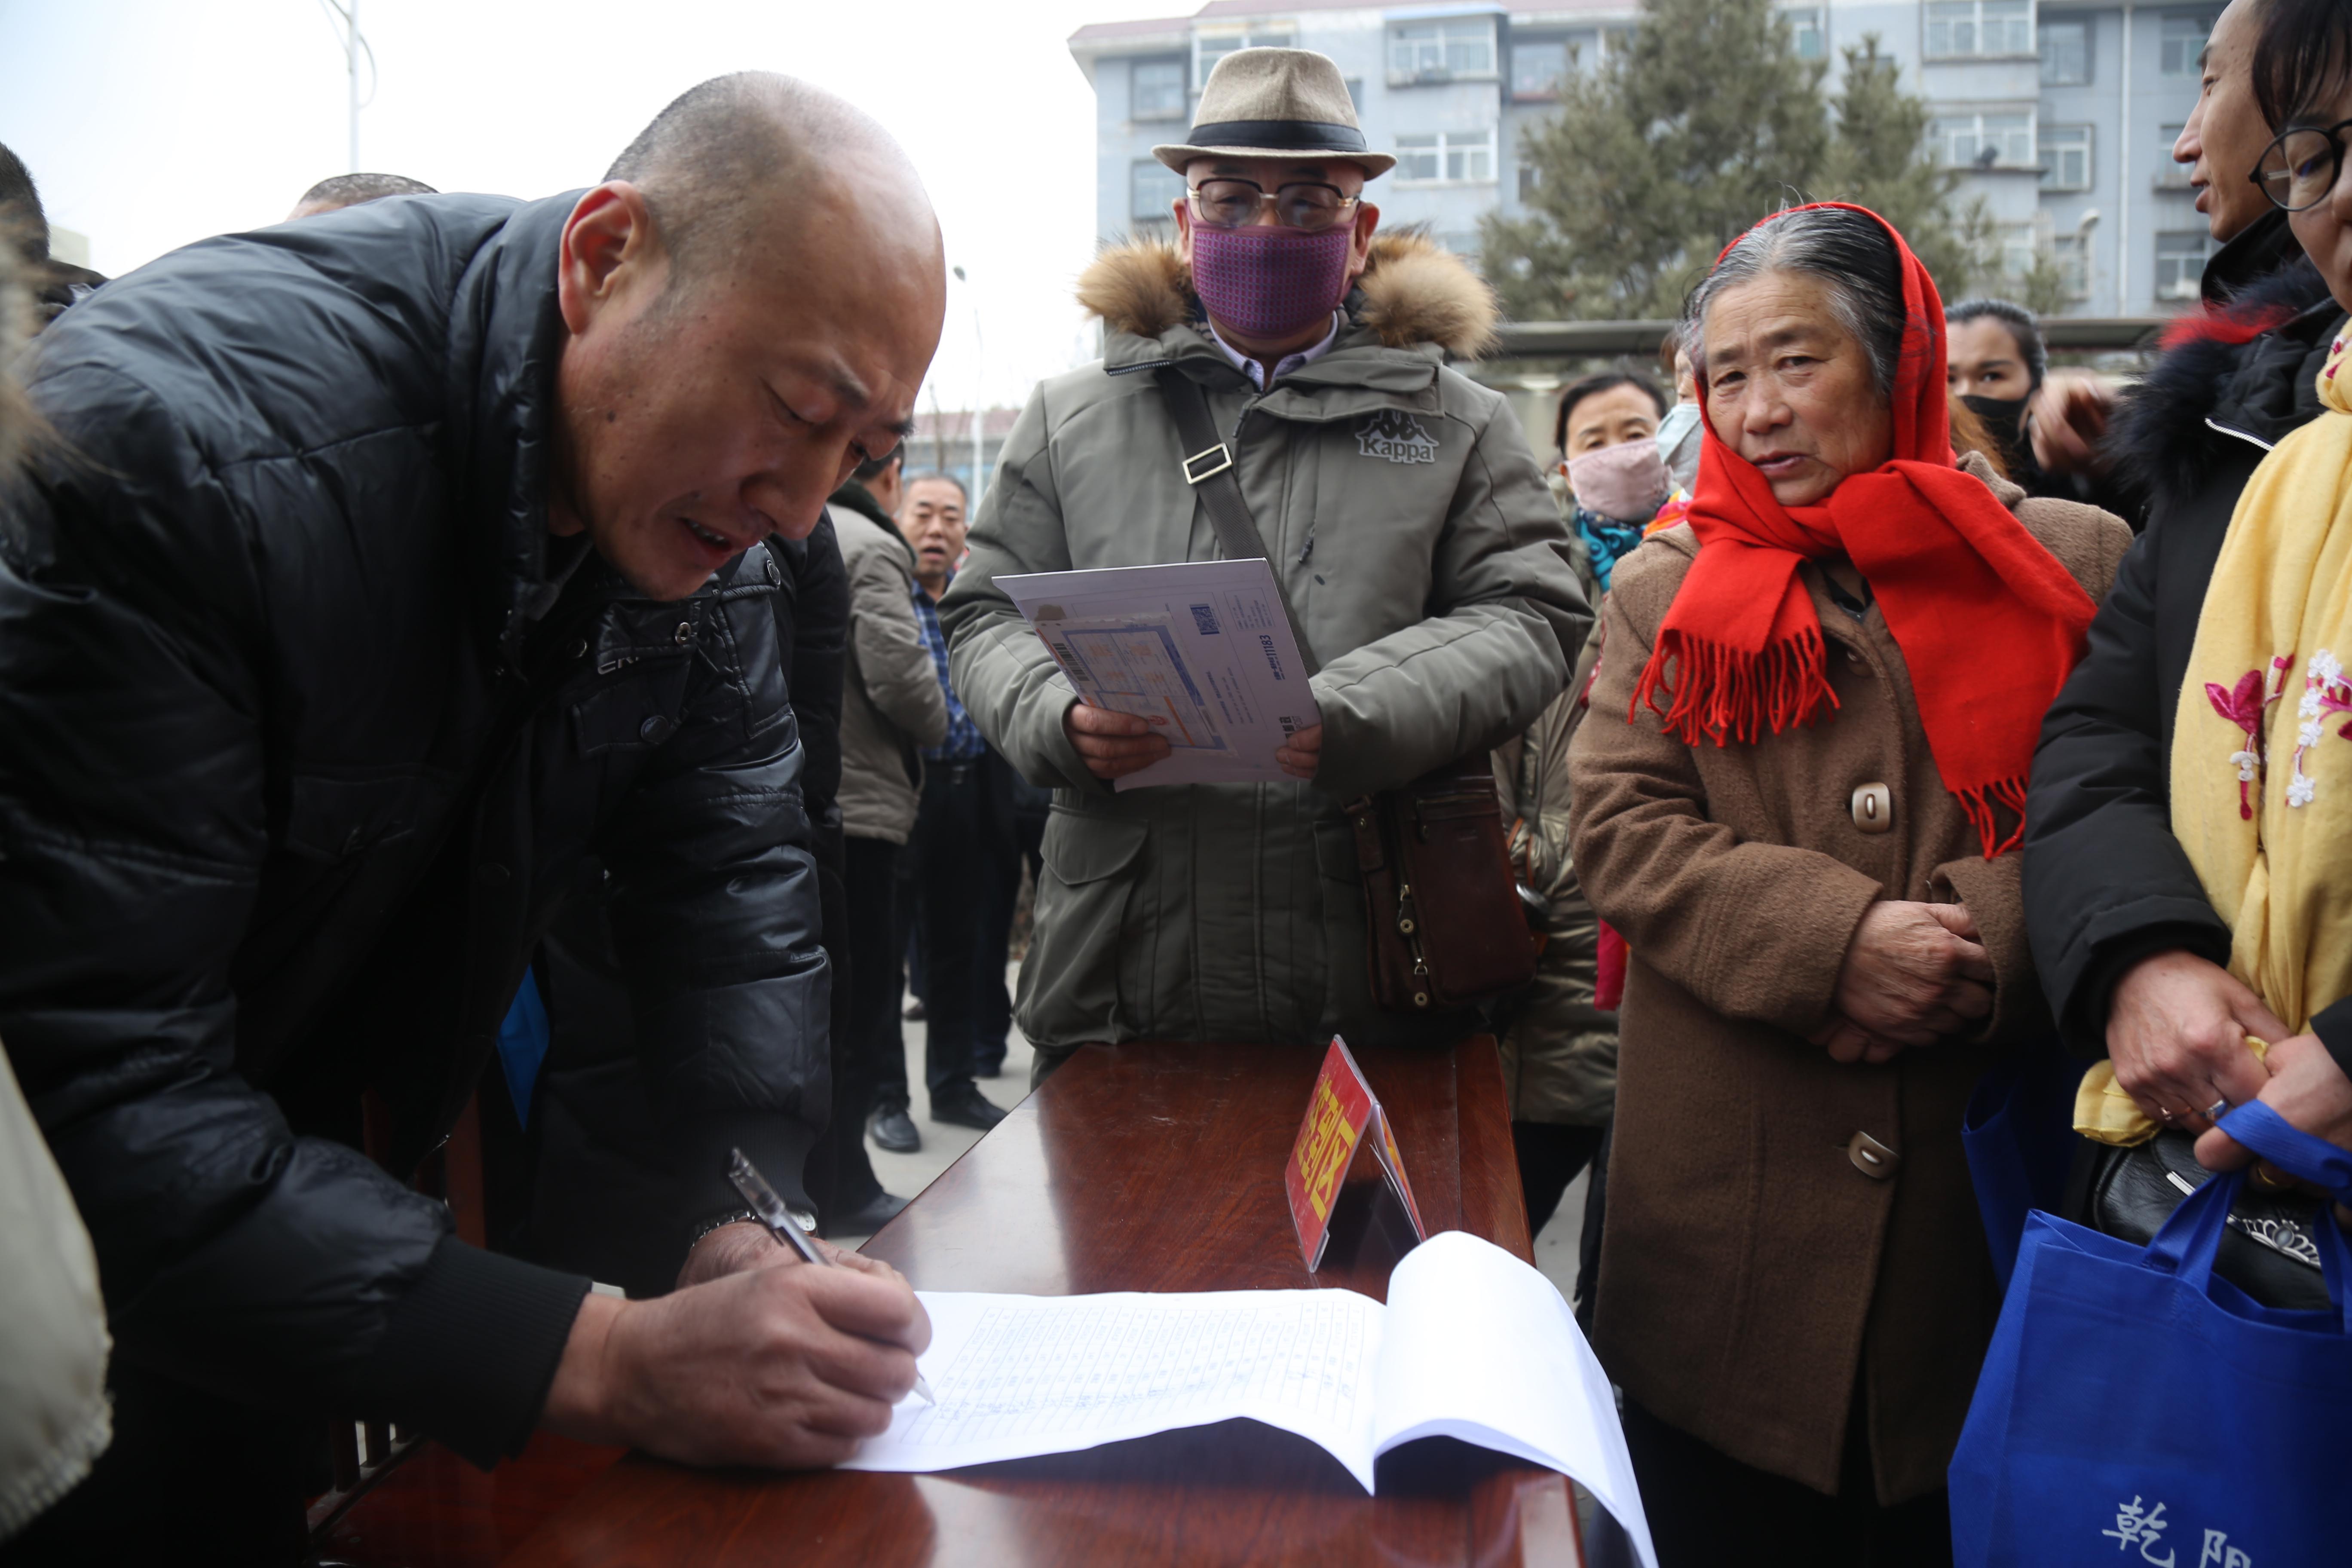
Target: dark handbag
1443	917
2269	1250
1444	921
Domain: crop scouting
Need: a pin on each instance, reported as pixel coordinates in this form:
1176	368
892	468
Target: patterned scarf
2261	751
1606	540
1988	622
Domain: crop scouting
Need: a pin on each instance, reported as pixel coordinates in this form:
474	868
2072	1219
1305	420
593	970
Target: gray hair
2021	324
1849	250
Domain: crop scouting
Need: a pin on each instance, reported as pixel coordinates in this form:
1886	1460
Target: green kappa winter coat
1429	567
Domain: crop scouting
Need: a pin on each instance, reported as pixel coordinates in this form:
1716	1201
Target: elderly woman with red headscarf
1798	796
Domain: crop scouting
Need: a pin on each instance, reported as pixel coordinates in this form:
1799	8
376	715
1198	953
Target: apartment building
2063	111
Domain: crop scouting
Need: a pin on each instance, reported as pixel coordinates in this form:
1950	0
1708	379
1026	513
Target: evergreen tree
1707	123
1877	160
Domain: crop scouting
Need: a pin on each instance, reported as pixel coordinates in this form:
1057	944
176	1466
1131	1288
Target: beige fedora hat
1273	103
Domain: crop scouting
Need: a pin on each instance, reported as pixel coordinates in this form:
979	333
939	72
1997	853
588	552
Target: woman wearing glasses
2165	785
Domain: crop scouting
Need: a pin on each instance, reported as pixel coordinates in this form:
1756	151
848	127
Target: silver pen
784	1228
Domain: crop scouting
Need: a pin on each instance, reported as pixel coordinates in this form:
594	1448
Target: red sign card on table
1340	1111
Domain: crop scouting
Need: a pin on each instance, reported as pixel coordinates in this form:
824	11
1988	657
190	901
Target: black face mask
2004	421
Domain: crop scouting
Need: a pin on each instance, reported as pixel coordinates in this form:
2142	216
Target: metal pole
351	61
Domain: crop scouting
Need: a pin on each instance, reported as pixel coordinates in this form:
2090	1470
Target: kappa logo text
1396	435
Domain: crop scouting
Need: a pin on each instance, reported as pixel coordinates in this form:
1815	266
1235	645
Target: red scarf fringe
1978	805
1721	693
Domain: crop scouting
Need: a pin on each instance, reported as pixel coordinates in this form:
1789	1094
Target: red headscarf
1988	622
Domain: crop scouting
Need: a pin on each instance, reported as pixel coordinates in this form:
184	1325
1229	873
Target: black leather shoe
966	1107
895	1131
873	1216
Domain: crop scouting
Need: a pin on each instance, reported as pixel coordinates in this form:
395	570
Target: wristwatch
706	1227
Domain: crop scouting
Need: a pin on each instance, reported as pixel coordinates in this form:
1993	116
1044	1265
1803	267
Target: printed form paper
1200	650
1473	1344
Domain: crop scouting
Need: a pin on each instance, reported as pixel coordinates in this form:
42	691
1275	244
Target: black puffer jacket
308	728
2105	882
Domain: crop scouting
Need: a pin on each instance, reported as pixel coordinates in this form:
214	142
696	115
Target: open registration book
1472	1344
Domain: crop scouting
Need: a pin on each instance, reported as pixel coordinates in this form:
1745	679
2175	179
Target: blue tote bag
2136	1408
2018	1136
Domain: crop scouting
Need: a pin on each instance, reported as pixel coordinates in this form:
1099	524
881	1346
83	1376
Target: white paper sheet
1482	1348
1016	1375
1201	648
1473	1344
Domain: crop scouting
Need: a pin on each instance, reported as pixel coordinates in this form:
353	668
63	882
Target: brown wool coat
1749	1268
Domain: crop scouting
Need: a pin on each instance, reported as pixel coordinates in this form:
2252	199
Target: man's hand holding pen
756	1359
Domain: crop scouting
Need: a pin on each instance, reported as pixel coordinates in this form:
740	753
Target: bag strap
2292	1150
1210	471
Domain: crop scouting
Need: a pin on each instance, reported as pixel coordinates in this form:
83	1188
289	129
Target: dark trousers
878	914
1016	810
1707	1508
865	992
955	841
1549	1158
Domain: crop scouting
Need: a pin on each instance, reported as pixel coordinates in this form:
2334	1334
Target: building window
1961	28
2066	53
2071	253
1208	48
1156	89
2000	139
2180	47
1355	86
1152	188
1446	157
2018	250
1440	51
2065	157
1805	32
2169	175
1530	182
2181	262
1538	68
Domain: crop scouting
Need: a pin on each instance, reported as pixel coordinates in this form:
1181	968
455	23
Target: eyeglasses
2298	169
1230	204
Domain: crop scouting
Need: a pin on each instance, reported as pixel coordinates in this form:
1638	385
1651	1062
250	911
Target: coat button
655	730
1854	656
1871	1157
1874	808
490	874
684	635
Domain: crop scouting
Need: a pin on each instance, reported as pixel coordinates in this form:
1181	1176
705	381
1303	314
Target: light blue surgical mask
1679	444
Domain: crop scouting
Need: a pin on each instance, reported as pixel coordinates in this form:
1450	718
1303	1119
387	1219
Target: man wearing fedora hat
1407	522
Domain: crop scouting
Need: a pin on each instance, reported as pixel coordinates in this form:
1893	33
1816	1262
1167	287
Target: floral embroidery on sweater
2243	707
2324	691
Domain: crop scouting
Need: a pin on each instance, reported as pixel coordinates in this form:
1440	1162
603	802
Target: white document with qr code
1472	1344
1200	650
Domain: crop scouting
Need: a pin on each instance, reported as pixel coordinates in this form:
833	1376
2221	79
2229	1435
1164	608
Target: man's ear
610	246
1360	251
1182	207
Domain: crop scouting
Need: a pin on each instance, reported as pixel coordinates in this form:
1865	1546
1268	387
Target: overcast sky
150	123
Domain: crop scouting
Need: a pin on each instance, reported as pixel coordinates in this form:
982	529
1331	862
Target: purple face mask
1270	283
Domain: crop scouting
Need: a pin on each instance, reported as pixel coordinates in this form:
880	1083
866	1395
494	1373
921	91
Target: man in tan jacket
891	705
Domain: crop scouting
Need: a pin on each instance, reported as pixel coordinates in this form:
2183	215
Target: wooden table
1139	1168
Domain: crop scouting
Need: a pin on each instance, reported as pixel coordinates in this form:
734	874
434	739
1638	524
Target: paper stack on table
1473	1344
1201	648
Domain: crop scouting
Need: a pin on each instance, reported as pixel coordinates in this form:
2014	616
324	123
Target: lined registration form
1201	650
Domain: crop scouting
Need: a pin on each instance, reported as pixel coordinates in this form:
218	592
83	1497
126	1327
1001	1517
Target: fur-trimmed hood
1413	290
2247	364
